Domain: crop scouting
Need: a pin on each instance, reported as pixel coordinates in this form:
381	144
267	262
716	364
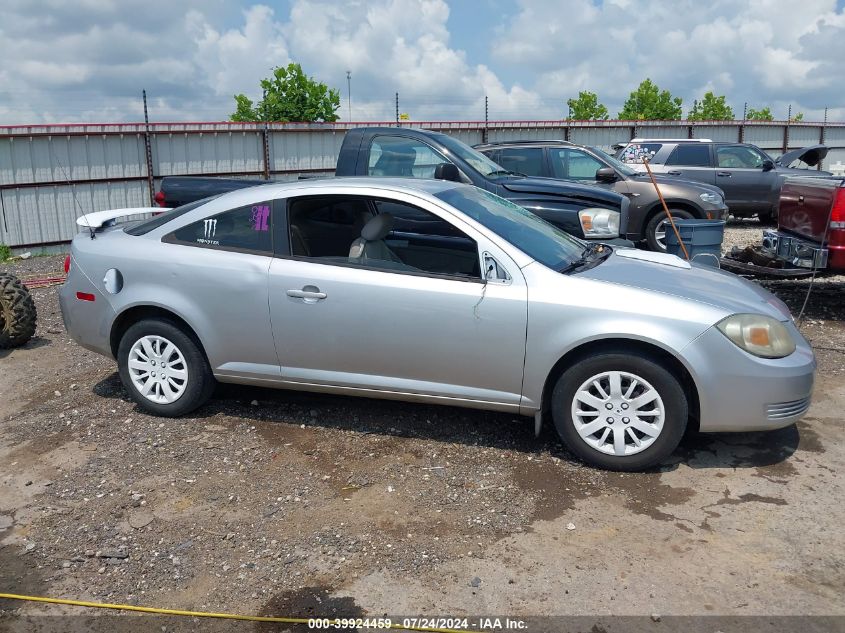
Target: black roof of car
530	142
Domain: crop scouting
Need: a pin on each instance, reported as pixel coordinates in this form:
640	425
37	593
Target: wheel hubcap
660	233
158	369
618	413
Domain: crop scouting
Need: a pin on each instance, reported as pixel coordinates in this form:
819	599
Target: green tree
711	108
649	102
289	95
798	117
586	107
763	114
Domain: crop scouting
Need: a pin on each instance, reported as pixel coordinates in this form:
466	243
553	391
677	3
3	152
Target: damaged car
438	292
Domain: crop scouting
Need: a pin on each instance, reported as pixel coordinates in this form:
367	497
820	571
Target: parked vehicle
433	291
18	315
646	217
178	190
584	211
811	224
749	177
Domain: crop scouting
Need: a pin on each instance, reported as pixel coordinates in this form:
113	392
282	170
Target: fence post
742	124
265	143
786	129
822	137
148	151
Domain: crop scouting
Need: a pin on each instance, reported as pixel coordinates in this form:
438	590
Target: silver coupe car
437	292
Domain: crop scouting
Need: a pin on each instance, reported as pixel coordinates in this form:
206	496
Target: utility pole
349	92
397	108
486	119
148	151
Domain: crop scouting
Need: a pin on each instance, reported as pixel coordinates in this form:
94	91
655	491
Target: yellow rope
204	614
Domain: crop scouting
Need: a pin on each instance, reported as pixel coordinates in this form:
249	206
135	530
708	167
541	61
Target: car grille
791	409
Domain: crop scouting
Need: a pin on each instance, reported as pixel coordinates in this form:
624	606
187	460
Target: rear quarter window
245	229
636	152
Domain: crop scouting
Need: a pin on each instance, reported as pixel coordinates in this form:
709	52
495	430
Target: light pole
349	92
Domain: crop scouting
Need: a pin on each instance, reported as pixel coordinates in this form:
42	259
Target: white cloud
89	60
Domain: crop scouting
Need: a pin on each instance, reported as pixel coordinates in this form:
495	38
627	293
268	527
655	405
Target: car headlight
758	334
599	222
712	198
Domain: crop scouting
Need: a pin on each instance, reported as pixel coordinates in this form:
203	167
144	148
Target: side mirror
606	174
768	165
447	171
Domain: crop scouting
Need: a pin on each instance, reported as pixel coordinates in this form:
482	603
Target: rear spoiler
104	219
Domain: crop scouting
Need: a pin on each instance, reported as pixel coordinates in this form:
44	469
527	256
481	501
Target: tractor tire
17	312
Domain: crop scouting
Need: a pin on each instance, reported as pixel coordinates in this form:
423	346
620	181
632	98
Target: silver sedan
437	292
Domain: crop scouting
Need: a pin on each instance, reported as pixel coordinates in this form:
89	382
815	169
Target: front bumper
798	252
740	392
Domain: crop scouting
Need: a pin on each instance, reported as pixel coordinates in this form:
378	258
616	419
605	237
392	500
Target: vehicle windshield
532	235
476	159
617	164
145	226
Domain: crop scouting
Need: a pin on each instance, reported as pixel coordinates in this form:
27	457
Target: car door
217	277
691	161
740	174
530	161
433	328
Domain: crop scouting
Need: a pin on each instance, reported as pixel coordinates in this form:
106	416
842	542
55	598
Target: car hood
675	181
552	187
671	275
811	155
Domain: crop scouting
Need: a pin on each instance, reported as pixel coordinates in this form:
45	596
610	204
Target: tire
767	218
653	228
188	383
599	448
18	315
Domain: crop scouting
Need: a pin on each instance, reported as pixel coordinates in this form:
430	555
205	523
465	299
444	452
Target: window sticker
635	153
260	217
209	232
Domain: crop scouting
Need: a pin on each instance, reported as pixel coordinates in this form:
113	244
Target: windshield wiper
591	256
505	172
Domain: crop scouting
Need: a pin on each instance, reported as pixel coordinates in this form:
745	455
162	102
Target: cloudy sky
87	60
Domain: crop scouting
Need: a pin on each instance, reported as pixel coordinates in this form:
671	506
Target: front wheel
658	225
619	411
163	368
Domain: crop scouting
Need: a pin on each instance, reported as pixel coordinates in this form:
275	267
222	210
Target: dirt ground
295	504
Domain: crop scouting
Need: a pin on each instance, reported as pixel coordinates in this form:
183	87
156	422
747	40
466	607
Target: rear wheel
658	225
18	315
619	411
163	368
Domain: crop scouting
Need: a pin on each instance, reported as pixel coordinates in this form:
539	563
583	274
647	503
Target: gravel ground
286	503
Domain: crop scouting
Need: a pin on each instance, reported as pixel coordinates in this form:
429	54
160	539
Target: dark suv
589	165
750	178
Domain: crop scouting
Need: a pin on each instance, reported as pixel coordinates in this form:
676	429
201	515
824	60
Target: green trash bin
703	239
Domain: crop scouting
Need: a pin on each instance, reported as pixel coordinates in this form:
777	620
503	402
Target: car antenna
73	193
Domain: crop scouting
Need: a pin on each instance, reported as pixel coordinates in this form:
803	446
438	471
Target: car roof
398	184
555	141
670	140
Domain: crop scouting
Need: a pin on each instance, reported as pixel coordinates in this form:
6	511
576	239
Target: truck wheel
619	411
163	368
658	226
17	312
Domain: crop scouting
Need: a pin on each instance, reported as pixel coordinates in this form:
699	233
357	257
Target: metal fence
52	174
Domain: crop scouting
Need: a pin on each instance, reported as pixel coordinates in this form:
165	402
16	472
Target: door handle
724	174
309	293
674	173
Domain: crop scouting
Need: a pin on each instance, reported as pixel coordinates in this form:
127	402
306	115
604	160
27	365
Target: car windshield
618	165
532	235
145	226
476	159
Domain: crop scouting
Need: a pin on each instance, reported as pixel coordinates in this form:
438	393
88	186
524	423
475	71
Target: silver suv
750	178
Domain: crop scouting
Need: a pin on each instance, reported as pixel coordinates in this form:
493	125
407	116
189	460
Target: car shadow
465	426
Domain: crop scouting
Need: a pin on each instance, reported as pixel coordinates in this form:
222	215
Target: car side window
405	157
384	235
690	155
738	156
245	229
574	164
523	160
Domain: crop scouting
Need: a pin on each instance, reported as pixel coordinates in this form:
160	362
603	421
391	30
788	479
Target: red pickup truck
811	224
